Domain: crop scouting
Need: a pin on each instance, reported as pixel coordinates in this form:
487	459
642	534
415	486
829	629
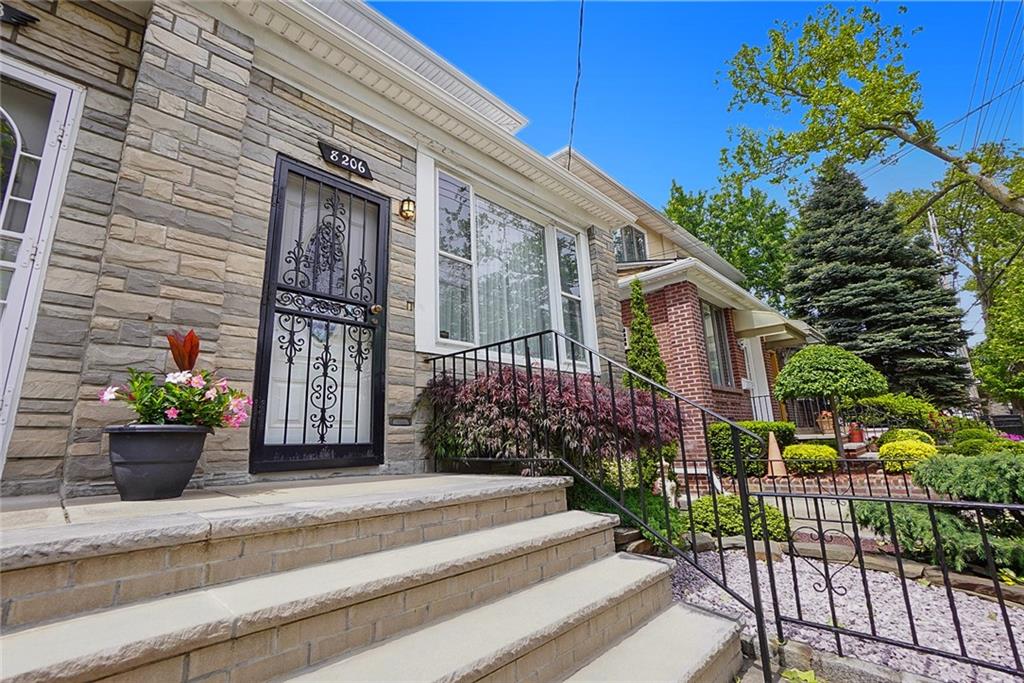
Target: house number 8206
342	159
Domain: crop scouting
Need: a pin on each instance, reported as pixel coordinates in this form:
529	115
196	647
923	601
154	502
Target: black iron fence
695	483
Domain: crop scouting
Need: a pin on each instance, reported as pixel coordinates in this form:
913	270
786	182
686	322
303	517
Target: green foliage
905	435
643	355
801	676
962	544
730	517
839	91
869	289
185	398
999	360
747	229
583	497
755	453
973	434
887	410
829	371
972	446
650	466
993	478
810	458
904	456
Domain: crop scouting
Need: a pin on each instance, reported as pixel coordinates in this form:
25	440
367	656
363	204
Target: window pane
453	216
572	316
568	267
512	274
456	299
711	344
640	245
617	242
722	338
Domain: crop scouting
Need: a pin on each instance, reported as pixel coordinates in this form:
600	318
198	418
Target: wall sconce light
407	209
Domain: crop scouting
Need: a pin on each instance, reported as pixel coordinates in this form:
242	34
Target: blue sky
649	109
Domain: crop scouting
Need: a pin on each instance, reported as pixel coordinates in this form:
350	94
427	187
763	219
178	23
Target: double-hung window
716	341
500	274
630	245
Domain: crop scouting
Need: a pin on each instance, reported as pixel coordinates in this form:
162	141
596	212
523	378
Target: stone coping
252	509
103	643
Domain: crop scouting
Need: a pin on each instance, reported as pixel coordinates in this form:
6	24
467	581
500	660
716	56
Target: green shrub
904	456
905	435
992	478
973	435
720	440
650	465
829	371
972	446
810	458
889	410
730	517
582	496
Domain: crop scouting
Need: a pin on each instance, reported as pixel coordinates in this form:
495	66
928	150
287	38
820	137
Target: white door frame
758	376
16	339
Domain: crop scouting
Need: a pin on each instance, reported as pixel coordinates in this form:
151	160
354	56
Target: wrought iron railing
543	403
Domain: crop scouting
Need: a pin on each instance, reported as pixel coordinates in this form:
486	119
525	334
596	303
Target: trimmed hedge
810	458
973	435
890	410
976	447
720	440
905	435
730	517
904	456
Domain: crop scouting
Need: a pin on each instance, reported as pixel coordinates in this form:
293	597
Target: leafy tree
973	233
873	291
748	230
827	371
999	360
643	355
843	76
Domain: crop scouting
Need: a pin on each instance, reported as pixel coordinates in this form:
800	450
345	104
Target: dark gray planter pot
154	461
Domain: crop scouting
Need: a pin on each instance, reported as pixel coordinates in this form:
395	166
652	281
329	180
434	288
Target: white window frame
428	296
64	122
719	327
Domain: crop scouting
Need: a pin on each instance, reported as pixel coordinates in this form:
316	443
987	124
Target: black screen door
319	387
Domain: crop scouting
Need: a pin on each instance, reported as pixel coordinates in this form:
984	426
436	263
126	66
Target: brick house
722	346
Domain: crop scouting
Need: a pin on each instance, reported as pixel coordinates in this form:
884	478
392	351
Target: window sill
727	389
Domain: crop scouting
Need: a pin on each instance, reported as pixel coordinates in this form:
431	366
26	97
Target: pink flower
108	394
222	384
197	382
238	405
235	419
172	413
210	394
178	377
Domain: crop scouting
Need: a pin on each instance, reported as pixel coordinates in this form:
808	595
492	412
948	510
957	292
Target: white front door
759	391
36	113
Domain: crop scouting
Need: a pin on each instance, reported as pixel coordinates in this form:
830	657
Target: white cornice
337	47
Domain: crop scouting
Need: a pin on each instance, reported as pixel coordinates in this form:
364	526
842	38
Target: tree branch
934	198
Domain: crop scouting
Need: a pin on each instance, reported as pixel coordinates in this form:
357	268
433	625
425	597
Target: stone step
539	633
681	644
268	625
61	570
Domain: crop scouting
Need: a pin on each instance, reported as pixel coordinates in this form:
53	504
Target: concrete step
117	553
681	644
539	633
269	625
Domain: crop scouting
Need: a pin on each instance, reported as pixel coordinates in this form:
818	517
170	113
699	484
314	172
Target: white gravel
981	621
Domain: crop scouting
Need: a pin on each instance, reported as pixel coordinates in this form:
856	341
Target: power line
988	72
999	72
576	86
977	71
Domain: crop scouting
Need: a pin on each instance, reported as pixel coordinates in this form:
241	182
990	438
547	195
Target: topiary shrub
829	371
720	440
973	435
730	517
904	456
971	447
905	435
810	458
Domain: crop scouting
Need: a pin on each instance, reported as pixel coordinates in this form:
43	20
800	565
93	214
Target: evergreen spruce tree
869	289
643	355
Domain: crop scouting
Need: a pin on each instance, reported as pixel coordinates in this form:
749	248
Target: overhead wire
576	87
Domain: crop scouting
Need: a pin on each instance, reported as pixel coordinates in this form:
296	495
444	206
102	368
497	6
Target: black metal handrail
562	356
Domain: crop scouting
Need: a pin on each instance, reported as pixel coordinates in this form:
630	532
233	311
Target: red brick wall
676	317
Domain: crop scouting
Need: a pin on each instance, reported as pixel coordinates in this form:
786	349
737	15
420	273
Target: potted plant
154	456
825	422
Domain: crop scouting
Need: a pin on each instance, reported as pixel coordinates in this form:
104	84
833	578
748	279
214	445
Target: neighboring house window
630	245
496	269
716	341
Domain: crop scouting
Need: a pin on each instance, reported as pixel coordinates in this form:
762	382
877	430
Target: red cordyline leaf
184	349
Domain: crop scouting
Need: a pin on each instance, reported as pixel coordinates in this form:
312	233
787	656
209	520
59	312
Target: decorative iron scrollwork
362	288
818	565
302	303
291	342
323	390
360	348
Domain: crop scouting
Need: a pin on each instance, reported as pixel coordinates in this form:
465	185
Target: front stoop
457	579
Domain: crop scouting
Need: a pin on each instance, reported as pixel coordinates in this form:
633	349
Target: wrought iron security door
320	368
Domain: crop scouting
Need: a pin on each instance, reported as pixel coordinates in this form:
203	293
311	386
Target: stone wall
95	45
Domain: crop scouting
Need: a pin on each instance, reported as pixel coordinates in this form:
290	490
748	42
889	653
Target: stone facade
678	325
97	46
164	226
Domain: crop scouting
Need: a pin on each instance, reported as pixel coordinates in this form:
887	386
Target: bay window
501	274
